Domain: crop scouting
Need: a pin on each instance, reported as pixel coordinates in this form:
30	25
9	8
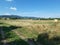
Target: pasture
17	32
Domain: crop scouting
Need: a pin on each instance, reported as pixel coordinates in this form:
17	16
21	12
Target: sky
32	8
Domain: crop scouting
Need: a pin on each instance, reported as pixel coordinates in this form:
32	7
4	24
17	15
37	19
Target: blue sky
36	8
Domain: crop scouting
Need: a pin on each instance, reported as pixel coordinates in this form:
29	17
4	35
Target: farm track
19	34
3	37
29	42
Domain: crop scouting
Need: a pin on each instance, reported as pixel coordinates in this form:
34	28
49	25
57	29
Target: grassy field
18	31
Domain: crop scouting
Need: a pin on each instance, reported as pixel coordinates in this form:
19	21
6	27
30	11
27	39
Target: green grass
11	37
27	32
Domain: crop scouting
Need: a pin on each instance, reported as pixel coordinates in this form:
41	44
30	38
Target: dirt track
3	36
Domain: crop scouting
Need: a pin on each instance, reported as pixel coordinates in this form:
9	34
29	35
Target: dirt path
29	42
19	34
3	36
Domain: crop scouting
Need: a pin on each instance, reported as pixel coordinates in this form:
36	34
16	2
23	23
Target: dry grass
39	26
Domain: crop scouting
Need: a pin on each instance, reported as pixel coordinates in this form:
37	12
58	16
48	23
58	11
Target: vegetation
14	17
26	32
10	37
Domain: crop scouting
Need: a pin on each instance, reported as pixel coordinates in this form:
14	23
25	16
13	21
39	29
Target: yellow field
16	30
39	26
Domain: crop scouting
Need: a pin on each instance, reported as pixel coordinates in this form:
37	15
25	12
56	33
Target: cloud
13	8
9	0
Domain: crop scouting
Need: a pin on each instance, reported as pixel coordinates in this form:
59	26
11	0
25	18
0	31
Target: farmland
19	32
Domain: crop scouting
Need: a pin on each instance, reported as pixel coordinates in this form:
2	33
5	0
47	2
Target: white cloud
9	0
13	8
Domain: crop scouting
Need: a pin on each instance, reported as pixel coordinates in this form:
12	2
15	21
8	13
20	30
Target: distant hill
9	16
16	17
25	17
